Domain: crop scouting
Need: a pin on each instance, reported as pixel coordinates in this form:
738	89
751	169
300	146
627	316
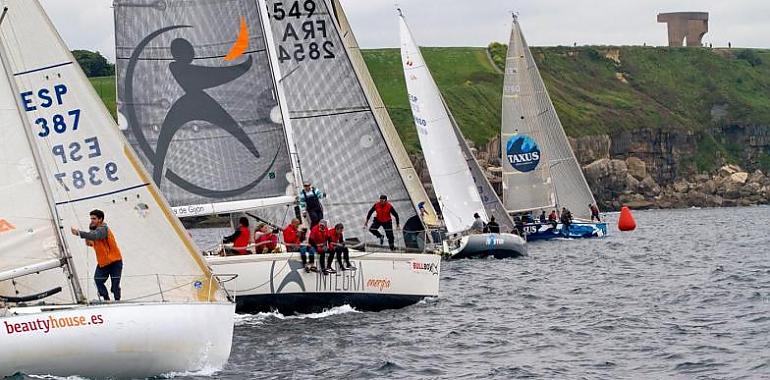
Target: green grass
669	88
105	87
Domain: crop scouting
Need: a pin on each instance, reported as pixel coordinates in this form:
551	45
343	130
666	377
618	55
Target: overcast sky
88	24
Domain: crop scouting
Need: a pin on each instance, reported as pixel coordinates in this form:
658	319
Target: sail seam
43	68
196	58
102	195
329	114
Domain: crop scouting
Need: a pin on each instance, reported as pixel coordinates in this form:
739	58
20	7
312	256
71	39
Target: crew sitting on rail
294	236
267	242
337	245
240	239
553	219
318	240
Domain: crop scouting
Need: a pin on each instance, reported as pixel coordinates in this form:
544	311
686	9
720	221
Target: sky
88	24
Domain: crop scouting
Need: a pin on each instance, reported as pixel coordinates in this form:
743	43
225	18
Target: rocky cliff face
653	168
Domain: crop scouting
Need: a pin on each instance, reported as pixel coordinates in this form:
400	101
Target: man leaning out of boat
239	239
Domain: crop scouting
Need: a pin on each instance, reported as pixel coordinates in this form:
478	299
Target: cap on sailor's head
383	197
324	222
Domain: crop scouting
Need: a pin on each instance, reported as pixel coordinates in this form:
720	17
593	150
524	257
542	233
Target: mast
275	70
64	252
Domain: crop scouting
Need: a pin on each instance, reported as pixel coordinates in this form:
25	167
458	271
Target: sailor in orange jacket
108	258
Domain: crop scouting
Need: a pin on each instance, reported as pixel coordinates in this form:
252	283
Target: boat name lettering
428	267
346	281
378	283
494	241
50	323
300	44
189	210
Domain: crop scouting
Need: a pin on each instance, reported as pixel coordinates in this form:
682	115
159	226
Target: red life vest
242	241
267	241
383	212
291	235
318	237
333	238
107	251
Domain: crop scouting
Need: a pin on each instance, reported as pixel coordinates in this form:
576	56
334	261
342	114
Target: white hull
119	340
279	282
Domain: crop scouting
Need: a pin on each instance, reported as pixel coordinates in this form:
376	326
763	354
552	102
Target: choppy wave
261	318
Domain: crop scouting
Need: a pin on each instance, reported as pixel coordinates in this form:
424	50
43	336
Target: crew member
478	223
384	218
542	217
337	245
492	226
594	212
267	241
566	219
310	200
109	261
318	241
553	219
294	236
240	239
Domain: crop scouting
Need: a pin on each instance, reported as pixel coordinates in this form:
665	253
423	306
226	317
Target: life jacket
317	237
383	212
291	235
269	241
333	238
312	203
594	210
107	251
242	241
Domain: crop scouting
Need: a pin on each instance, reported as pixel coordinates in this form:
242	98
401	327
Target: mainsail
86	164
539	168
339	141
198	102
390	134
452	179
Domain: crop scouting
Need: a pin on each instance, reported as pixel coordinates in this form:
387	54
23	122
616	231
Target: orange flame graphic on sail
5	226
241	44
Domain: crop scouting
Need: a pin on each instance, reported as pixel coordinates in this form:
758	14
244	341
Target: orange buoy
626	221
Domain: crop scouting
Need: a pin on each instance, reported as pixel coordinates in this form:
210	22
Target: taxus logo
428	267
523	153
6	226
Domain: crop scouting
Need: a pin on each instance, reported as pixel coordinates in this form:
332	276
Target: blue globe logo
523	153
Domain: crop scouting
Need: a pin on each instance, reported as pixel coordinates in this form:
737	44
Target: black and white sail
341	146
539	168
197	100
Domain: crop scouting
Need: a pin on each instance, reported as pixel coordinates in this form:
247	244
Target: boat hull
577	230
117	340
278	282
499	246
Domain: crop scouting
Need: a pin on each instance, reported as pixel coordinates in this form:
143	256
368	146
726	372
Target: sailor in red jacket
318	240
240	239
384	218
294	236
337	245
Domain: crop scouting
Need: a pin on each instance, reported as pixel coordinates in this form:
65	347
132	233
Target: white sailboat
298	98
456	187
540	171
62	156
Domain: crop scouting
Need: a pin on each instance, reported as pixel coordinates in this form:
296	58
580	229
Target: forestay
451	177
339	142
539	168
88	165
198	103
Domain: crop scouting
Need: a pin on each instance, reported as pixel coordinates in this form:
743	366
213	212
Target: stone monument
685	25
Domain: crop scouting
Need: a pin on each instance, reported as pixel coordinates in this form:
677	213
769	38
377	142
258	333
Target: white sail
455	189
89	165
539	168
28	238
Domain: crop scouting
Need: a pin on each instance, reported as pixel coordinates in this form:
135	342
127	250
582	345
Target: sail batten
540	170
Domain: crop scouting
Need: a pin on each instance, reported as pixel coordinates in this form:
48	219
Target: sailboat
457	179
297	111
540	171
62	156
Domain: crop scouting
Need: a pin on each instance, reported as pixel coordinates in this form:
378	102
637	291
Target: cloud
88	24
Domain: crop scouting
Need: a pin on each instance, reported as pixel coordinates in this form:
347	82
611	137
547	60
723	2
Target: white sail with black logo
539	168
339	140
452	179
198	101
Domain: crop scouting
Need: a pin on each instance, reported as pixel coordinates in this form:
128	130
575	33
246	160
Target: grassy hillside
105	87
595	89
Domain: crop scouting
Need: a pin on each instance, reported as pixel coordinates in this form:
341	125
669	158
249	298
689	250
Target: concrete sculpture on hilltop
685	25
